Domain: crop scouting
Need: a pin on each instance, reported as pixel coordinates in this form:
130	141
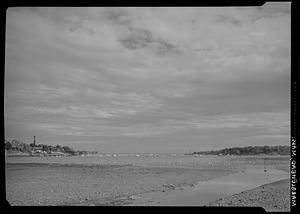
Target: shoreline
274	196
56	184
211	190
119	184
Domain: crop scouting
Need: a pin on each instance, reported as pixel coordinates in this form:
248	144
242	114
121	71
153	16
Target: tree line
249	150
19	146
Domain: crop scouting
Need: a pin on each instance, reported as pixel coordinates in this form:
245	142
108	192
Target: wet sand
273	197
206	191
71	184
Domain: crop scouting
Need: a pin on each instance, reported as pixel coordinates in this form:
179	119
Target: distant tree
8	146
249	150
26	148
67	149
46	148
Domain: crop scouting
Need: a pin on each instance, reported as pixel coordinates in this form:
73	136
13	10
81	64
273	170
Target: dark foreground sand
272	197
58	184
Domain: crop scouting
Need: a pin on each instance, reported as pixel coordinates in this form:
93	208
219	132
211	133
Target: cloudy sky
148	79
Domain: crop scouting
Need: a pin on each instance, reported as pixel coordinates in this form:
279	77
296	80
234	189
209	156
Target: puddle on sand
206	191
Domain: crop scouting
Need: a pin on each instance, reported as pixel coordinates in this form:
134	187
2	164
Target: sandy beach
55	184
272	197
185	182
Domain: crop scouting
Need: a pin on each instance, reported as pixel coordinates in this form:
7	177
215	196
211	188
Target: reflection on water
207	191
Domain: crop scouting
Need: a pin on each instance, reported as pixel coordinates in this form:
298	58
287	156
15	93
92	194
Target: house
37	148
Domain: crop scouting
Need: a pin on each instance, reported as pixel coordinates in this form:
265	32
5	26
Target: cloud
228	19
141	38
147	72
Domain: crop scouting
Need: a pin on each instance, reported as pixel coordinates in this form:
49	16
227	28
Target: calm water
206	191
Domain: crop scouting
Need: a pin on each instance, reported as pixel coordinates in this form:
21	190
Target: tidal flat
61	182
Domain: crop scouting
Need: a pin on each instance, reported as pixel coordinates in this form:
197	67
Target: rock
171	186
134	197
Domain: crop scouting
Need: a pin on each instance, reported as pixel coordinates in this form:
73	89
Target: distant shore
23	154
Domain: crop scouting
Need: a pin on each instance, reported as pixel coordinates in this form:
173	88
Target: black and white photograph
148	106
